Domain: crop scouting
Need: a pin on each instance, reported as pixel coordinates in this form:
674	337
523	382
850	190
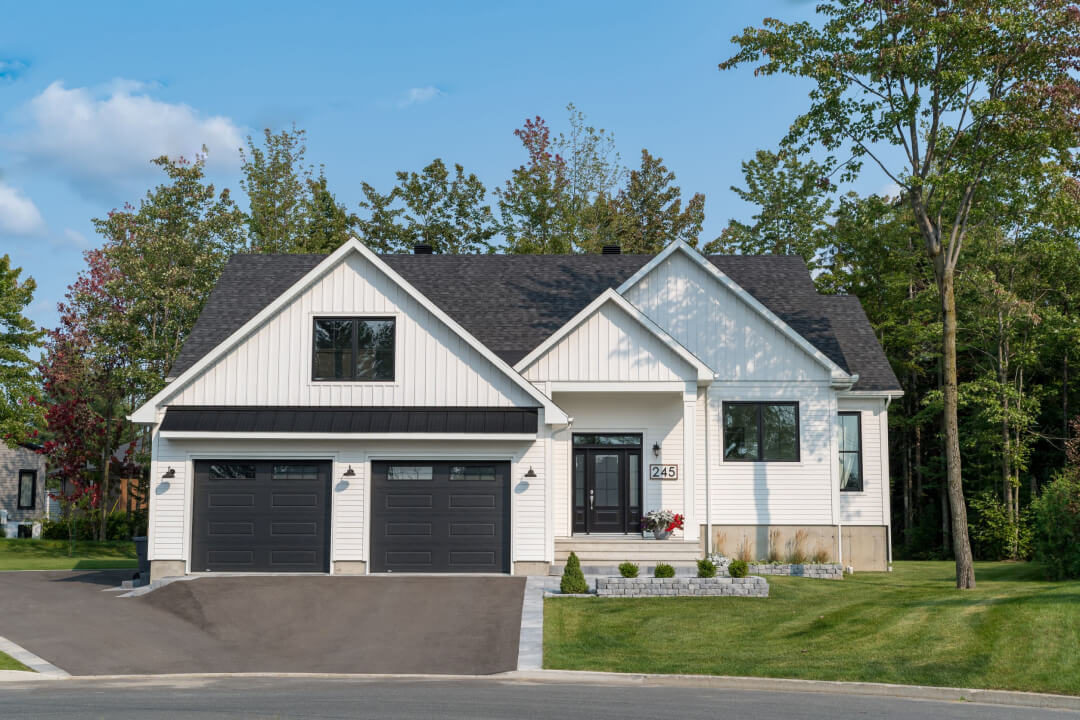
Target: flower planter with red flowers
661	523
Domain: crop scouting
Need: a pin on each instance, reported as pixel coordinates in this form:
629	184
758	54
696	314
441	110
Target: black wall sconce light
656	449
531	473
350	472
170	473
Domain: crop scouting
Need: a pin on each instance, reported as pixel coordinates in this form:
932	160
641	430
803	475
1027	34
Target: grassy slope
910	626
53	555
9	663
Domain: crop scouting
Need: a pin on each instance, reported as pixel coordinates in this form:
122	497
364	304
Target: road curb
717	682
730	682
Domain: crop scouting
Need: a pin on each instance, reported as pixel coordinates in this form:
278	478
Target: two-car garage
426	516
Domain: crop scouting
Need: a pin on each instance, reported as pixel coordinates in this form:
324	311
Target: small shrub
706	568
54	530
1057	527
738	568
573	580
994	533
773	555
821	555
797	554
628	570
663	570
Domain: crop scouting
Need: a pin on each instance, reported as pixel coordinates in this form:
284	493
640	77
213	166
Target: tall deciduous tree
535	202
20	414
652	206
964	90
792	197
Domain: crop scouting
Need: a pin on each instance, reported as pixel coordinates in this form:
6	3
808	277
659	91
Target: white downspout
708	481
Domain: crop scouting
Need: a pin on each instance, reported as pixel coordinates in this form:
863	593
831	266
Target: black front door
607	483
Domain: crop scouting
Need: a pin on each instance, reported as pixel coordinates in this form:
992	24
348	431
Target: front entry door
607	484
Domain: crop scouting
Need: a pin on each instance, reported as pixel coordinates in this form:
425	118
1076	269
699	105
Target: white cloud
18	213
419	95
109	135
74	238
890	189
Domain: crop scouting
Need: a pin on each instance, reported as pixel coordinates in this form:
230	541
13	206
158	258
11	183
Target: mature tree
290	208
792	197
535	204
164	258
594	171
20	415
652	206
964	90
431	208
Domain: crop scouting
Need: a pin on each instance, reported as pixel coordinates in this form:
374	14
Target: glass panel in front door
606	499
607	480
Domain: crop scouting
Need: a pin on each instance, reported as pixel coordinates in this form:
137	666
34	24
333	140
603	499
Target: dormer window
357	349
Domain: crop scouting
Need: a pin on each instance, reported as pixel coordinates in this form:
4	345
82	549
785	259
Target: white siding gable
434	365
717	326
607	346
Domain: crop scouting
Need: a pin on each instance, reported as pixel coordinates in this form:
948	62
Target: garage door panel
455	518
261	515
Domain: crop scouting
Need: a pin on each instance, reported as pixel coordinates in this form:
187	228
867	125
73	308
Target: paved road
452	699
443	625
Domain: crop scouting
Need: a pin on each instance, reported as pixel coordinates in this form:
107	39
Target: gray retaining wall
669	587
824	571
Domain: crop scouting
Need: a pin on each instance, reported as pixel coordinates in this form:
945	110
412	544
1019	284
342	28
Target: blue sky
89	93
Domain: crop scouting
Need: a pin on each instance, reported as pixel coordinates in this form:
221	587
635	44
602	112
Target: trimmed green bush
1057	527
706	568
573	580
628	570
663	570
738	568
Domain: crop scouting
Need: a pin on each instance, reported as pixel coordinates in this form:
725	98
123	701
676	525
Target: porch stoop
602	555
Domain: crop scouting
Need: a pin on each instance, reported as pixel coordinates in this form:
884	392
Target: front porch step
610	551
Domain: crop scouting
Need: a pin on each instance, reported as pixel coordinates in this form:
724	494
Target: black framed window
759	432
357	349
850	442
27	489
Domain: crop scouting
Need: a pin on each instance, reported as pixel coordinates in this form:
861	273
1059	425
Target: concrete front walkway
437	624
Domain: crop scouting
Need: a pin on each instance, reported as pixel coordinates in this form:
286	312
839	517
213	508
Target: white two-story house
362	413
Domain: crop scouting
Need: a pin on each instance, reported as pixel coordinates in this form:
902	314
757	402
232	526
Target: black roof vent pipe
422	249
612	250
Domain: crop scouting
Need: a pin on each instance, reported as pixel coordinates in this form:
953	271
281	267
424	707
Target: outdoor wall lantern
531	473
656	449
350	472
169	474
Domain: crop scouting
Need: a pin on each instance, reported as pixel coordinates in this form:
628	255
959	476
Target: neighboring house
358	413
22	486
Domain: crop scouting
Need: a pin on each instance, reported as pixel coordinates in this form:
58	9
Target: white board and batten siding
871	506
609	346
433	365
718	327
350	496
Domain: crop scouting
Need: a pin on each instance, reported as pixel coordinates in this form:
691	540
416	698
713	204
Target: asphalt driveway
445	625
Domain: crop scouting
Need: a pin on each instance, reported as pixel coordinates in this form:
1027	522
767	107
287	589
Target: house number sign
664	472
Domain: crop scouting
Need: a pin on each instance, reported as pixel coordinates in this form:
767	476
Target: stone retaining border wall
674	587
822	571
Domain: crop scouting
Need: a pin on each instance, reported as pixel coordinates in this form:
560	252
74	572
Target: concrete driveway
445	625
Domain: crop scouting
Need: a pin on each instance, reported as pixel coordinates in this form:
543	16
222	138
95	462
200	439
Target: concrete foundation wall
166	568
350	567
865	547
532	568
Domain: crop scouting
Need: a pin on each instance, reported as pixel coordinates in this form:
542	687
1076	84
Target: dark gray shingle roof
512	303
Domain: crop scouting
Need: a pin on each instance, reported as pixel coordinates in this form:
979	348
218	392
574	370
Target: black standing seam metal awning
351	419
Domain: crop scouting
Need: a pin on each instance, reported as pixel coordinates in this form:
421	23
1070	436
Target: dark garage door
440	517
265	515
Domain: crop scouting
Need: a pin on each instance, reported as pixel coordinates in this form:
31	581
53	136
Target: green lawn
53	555
9	663
910	626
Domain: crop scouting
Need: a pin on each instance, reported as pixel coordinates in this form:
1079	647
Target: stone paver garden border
681	586
818	571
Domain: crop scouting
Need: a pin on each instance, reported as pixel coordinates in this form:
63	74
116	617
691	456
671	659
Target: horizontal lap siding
169	505
866	507
433	365
776	493
608	346
713	323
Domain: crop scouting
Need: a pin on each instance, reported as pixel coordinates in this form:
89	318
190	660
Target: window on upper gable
353	349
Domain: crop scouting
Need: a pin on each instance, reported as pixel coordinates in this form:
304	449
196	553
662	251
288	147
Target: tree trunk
965	570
